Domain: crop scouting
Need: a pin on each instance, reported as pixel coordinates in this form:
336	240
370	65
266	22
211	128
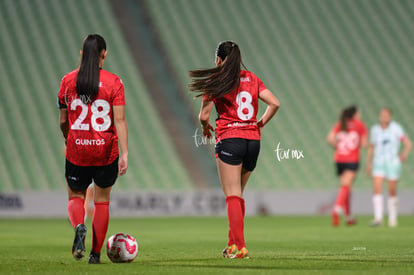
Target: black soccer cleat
94	258
78	248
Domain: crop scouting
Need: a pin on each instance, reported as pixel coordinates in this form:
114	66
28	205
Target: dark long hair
347	114
87	82
221	80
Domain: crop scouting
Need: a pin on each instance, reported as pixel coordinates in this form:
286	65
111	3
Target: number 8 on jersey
245	108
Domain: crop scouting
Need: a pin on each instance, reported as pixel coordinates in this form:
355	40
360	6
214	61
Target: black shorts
234	151
343	166
80	177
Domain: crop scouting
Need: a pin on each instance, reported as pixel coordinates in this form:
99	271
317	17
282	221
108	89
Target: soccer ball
121	248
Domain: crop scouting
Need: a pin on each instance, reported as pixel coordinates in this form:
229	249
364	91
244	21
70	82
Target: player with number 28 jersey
346	137
92	119
237	111
92	139
349	141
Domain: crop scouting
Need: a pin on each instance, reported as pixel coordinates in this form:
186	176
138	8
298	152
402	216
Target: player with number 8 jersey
92	139
235	93
238	119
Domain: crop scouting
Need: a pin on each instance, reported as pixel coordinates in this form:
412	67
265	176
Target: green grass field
288	245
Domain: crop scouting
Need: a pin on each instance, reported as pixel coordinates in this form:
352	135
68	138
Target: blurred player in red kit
92	120
346	137
234	93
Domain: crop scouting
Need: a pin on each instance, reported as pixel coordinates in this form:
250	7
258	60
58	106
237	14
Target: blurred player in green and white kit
384	162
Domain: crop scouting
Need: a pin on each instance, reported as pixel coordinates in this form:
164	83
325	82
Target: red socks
99	225
342	200
243	206
347	205
76	211
231	240
235	214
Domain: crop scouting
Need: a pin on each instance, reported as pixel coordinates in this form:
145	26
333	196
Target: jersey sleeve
206	98
119	94
61	102
261	86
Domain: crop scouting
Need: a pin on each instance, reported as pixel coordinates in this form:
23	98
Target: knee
76	194
102	195
392	192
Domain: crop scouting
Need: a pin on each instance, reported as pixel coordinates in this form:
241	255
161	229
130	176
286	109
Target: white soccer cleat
375	223
392	224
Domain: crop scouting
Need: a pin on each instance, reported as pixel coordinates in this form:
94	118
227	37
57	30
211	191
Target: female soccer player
235	94
383	152
92	119
346	137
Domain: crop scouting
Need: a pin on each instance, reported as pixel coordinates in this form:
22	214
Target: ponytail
87	82
221	80
346	114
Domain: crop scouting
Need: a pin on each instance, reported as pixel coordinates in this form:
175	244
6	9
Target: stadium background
316	56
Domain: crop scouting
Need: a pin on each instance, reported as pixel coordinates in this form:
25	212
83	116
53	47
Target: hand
122	165
403	157
368	169
260	130
207	130
260	127
333	143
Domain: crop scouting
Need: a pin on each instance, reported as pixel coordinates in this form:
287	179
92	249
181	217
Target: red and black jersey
92	138
349	142
237	110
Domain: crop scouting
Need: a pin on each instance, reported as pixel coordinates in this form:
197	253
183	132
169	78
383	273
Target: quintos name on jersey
89	142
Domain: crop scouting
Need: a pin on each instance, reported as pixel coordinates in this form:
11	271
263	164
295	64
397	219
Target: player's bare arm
204	117
332	139
407	148
64	122
273	106
122	132
364	141
370	153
